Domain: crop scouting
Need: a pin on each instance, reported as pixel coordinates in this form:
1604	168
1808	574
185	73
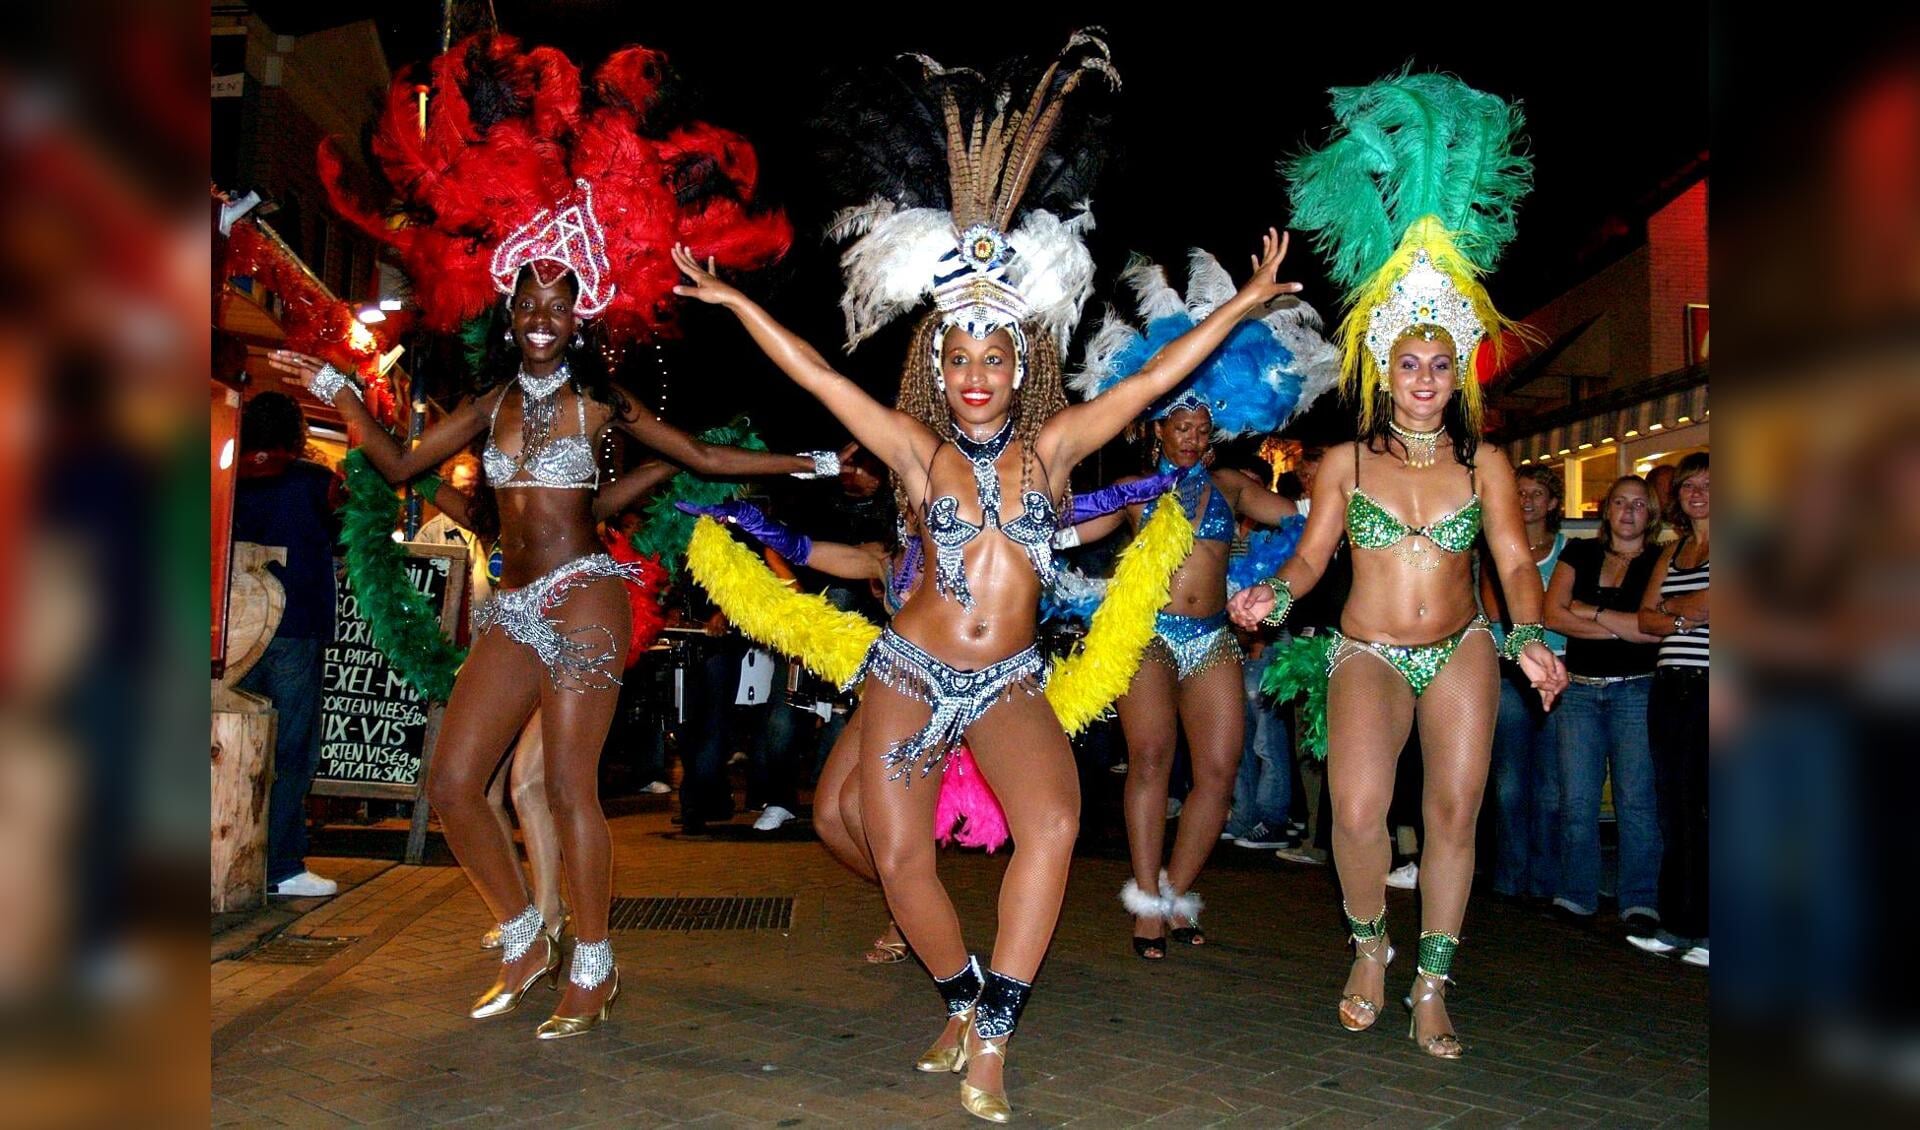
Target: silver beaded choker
539	388
1422	447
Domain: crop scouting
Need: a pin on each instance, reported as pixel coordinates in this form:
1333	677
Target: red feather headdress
520	162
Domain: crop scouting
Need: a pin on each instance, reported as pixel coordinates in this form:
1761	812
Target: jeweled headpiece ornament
954	238
523	160
563	238
1269	369
1412	201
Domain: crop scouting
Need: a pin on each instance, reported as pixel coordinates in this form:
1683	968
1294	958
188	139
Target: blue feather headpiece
1267	371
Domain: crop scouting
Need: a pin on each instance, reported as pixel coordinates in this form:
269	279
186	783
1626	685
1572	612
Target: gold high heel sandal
1367	949
975	1101
503	997
947	1060
557	1027
1440	1045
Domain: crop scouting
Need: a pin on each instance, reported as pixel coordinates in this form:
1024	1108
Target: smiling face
1185	436
543	320
978	376
1423	375
1695	495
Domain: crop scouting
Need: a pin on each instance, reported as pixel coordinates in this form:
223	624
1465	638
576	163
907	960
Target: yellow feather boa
1085	683
831	643
768	610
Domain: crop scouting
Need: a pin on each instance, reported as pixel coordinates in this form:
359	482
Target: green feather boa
1300	668
405	625
667	530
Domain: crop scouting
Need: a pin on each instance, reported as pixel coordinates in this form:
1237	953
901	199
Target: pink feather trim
967	810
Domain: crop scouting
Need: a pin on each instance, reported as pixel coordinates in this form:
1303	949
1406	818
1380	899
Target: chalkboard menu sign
376	732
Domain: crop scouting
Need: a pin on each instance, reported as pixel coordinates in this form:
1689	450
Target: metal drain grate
299	949
702	913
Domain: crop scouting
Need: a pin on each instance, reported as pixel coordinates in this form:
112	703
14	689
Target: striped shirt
1688	648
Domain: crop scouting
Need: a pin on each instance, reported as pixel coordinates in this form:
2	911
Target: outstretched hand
302	367
1265	285
706	285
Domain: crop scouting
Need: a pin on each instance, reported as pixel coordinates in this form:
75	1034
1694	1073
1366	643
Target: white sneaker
657	787
772	818
1303	853
1119	767
739	758
1696	956
1173	807
1405	877
306	885
1651	944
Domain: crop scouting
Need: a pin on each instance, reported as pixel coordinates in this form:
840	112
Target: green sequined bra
1372	526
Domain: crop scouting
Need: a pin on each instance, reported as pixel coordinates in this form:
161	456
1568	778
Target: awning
1675	400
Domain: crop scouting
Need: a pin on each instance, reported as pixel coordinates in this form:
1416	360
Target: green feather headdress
1412	201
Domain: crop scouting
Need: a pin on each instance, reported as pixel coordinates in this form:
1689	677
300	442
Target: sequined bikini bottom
1192	644
1419	664
574	659
958	698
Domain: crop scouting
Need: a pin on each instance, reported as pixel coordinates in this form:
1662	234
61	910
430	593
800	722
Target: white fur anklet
1140	904
1186	907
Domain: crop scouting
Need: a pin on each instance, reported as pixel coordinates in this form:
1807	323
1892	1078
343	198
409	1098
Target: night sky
1616	107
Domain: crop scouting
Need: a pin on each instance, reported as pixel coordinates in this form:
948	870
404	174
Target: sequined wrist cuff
826	465
328	383
1282	601
1519	636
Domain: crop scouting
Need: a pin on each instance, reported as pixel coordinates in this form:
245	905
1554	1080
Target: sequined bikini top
551	462
1372	526
1216	523
1033	530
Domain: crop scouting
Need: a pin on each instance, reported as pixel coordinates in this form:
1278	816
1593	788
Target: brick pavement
1567	1027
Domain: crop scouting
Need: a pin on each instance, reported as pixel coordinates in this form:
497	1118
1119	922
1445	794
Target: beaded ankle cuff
592	963
1002	1001
1436	954
517	934
961	991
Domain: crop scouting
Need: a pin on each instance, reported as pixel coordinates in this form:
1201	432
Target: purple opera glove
1110	498
747	517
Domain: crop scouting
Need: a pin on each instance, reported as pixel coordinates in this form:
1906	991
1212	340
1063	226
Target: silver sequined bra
551	462
1033	530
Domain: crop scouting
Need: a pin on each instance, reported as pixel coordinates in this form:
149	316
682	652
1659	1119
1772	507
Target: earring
579	342
507	335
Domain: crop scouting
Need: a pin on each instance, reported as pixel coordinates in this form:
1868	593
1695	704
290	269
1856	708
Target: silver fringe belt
572	661
958	698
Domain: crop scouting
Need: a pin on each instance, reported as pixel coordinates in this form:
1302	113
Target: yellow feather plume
1361	377
768	610
832	643
1083	685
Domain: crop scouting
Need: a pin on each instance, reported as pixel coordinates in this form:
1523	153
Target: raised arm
864	562
1506	534
633	486
896	439
1081	429
1250	498
396	463
1326	522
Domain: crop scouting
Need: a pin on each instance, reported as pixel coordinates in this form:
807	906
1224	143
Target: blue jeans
289	674
1526	789
1263	790
1601	727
